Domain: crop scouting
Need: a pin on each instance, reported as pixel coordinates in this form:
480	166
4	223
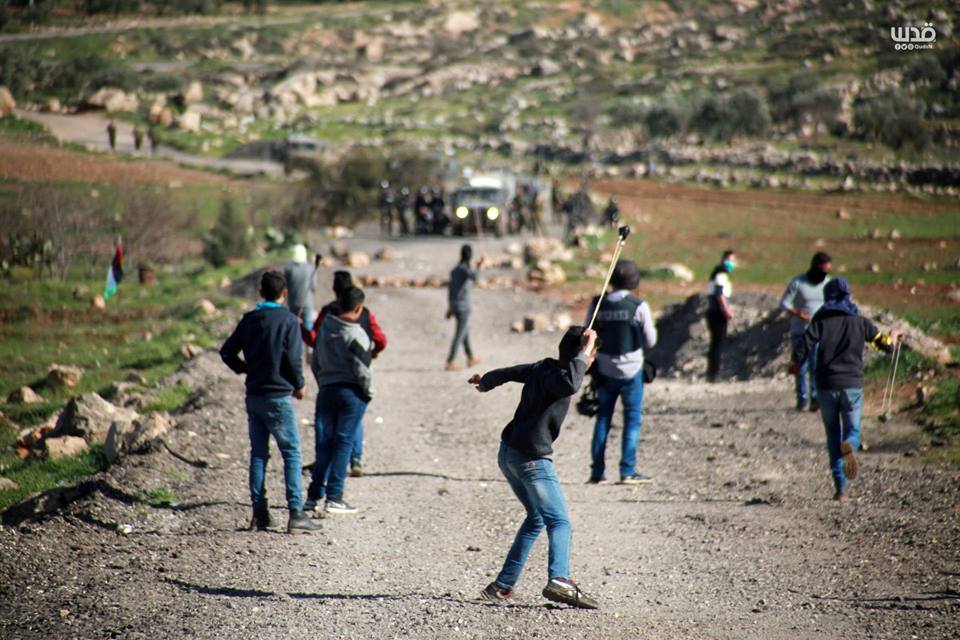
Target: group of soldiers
577	208
138	137
428	208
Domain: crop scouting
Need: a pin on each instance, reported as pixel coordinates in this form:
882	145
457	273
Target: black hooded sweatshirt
842	338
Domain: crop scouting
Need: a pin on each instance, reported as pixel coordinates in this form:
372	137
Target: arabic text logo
910	38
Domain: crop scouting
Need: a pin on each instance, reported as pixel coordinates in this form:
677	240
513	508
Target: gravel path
738	537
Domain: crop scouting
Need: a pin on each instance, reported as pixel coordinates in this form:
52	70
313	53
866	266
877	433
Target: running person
802	299
839	333
526	445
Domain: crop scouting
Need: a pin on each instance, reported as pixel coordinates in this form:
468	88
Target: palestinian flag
114	273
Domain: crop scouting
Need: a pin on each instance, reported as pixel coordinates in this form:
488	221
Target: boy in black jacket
524	458
269	337
841	332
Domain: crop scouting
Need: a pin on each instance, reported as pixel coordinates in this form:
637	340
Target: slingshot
622	234
887	403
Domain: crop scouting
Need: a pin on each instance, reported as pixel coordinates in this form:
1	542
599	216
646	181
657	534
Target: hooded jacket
342	355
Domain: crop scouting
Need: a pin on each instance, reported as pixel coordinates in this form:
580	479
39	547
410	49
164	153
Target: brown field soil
33	163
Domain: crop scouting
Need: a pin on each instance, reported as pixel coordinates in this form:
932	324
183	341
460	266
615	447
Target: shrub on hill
891	118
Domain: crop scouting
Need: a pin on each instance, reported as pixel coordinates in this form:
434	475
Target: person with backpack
625	328
342	280
272	356
839	333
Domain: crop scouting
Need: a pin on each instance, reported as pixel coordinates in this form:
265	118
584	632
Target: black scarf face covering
816	276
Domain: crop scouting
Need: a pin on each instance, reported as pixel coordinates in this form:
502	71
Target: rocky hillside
762	93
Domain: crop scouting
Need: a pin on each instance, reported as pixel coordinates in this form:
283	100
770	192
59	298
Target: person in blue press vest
625	328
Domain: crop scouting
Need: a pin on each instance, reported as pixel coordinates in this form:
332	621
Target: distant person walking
342	280
802	299
272	361
112	135
625	328
341	366
719	314
460	306
300	283
526	448
839	333
154	138
137	137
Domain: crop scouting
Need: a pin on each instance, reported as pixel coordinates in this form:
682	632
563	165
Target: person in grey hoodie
458	296
341	366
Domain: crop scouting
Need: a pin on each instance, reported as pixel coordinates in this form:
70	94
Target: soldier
386	208
402	204
612	213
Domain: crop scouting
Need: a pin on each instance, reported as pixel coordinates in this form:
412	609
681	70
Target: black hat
625	275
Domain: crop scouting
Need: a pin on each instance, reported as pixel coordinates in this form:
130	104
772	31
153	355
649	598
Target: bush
663	121
891	118
925	70
748	113
346	192
230	238
712	119
801	99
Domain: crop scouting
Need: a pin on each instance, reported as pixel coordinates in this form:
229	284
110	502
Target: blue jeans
608	390
462	334
805	374
356	455
268	416
537	487
840	410
340	409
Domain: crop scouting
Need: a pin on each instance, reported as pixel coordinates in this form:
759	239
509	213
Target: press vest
617	326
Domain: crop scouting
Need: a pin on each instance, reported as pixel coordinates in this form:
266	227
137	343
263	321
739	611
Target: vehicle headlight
462	212
493	213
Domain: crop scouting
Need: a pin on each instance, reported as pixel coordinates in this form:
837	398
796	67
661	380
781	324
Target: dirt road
90	131
738	537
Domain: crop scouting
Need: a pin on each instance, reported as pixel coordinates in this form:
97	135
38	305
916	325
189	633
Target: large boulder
460	22
357	260
62	375
24	395
90	417
189	121
194	92
64	447
113	100
137	436
537	249
7	103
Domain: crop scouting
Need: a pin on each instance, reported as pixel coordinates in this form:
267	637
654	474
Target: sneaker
339	507
636	478
453	366
565	591
600	480
850	466
301	523
472	362
356	470
814	406
495	593
801	405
